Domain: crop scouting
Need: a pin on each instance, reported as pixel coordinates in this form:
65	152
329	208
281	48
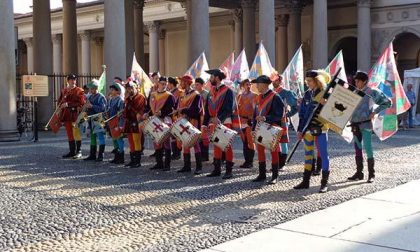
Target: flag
384	76
198	68
226	66
114	126
293	75
335	64
102	82
262	64
140	76
332	69
240	69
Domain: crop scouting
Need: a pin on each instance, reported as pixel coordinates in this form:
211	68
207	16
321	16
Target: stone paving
50	204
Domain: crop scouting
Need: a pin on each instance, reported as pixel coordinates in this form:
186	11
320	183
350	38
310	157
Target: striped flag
262	64
293	75
240	69
198	68
226	66
141	77
384	76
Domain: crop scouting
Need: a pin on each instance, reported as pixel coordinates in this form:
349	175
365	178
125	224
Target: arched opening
349	47
407	47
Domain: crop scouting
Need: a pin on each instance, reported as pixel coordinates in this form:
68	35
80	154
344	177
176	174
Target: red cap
187	78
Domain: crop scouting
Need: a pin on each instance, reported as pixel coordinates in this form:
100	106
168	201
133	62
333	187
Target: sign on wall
35	85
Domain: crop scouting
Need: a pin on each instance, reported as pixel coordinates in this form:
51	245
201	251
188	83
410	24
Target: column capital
152	26
237	15
57	38
99	41
295	7
248	4
138	4
28	42
282	20
364	3
85	35
162	34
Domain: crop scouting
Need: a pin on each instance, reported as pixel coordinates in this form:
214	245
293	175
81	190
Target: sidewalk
384	221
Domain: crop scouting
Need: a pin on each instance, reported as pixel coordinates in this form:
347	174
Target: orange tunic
75	99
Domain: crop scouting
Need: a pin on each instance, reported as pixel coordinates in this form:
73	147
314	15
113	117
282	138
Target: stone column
237	18
115	42
267	28
153	28
57	40
281	42
86	54
69	37
162	34
200	29
129	35
294	39
249	39
8	130
187	7
138	31
320	35
43	50
363	35
29	54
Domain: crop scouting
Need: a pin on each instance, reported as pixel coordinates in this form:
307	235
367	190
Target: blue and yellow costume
114	107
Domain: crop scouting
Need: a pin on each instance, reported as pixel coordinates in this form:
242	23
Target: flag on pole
293	75
240	69
332	69
262	64
335	64
198	68
384	76
226	66
140	76
102	82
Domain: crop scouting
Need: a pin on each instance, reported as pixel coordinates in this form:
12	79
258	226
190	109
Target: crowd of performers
172	99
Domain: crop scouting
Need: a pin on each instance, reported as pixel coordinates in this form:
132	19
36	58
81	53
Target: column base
9	136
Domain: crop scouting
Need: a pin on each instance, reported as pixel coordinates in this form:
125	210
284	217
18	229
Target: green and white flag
102	82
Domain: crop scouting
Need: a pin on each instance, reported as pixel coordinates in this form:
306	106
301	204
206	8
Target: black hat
363	76
163	79
311	74
262	79
199	80
173	81
71	77
217	72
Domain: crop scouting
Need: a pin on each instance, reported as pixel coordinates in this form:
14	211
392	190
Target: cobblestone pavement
50	204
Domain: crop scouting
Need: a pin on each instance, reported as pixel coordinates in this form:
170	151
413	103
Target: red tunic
133	106
75	99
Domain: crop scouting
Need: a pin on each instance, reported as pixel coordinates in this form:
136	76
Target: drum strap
264	104
216	100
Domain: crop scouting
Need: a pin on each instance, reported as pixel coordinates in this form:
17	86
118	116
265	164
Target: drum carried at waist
267	135
222	136
157	129
185	132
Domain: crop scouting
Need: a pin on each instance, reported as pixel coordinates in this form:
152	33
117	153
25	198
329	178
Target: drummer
190	108
161	105
269	109
172	87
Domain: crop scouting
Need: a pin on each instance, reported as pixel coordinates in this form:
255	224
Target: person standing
204	141
412	98
116	105
362	125
71	101
176	146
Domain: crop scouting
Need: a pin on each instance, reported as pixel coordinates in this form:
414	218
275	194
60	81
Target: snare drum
185	132
267	135
222	136
157	129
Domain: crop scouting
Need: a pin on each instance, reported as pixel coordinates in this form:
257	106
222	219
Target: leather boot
229	168
187	163
167	164
198	164
120	158
306	180
204	152
371	170
72	152
318	167
359	170
132	161
92	155
262	169
176	154
137	159
101	153
217	171
78	150
324	182
275	173
159	160
282	161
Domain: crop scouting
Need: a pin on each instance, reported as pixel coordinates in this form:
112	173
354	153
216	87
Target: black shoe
72	152
357	176
275	174
305	182
119	158
198	164
167	164
187	163
261	172
101	153
159	160
92	154
132	161
114	151
229	168
359	170
217	171
371	170
282	161
324	182
78	150
137	159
